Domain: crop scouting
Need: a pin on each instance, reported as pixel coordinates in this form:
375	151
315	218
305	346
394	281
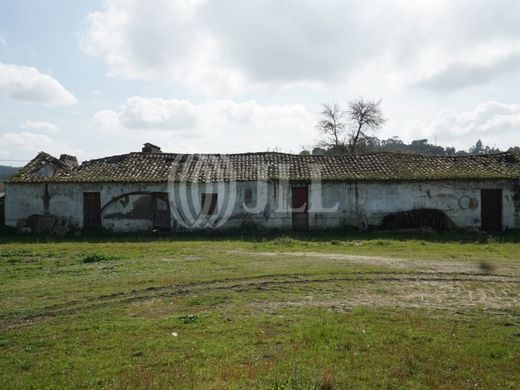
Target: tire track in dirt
241	284
448	265
451	296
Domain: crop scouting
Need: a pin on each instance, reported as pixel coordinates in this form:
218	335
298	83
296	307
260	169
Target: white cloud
28	84
25	145
108	119
3	41
462	75
496	124
156	113
175	45
213	126
227	46
40	125
225	126
251	126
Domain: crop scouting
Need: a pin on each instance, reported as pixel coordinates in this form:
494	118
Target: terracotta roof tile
31	169
160	167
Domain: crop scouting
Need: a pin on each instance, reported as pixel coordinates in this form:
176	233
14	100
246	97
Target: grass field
291	312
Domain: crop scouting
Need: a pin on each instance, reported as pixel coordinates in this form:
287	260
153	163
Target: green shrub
94	258
188	318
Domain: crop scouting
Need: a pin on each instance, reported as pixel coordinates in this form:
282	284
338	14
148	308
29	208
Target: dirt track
434	266
443	285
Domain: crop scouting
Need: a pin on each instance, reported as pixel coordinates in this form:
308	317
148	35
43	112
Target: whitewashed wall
372	201
66	200
270	206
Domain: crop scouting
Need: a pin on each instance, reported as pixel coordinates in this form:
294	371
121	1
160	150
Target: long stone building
152	190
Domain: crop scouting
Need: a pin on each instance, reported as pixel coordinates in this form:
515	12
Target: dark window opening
209	203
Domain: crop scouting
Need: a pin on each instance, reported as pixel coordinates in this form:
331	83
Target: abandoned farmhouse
152	190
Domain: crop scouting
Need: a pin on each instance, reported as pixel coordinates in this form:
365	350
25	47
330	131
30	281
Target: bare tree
365	115
332	124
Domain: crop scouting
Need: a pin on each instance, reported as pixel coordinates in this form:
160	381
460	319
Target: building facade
151	190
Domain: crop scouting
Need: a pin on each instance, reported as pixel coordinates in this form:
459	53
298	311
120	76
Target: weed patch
188	318
94	258
286	241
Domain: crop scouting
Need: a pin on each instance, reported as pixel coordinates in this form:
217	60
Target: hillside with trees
351	131
419	146
6	172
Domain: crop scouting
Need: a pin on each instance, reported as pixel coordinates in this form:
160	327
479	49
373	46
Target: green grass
278	312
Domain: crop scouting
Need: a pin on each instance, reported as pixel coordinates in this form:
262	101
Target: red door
300	208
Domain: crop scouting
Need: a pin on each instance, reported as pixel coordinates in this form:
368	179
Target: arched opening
136	211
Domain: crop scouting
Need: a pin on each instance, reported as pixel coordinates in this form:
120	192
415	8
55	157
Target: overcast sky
101	77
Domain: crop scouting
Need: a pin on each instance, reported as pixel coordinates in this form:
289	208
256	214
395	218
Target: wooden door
300	208
91	211
209	203
491	210
161	211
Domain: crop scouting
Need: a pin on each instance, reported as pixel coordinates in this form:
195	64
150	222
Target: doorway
91	211
491	210
160	211
300	208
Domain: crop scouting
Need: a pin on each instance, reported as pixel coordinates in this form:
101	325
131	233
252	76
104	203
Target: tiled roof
161	167
28	172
